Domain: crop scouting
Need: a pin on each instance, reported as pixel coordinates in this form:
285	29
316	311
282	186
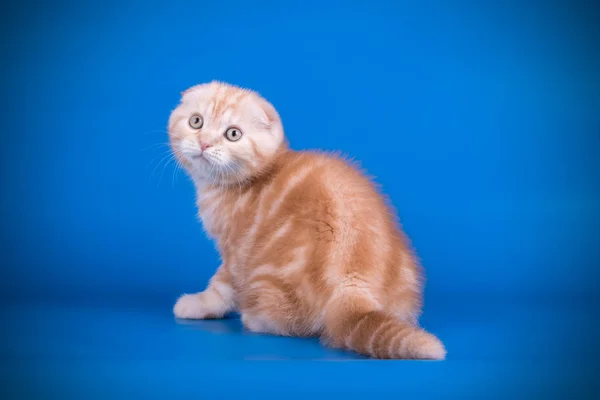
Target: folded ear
268	115
269	118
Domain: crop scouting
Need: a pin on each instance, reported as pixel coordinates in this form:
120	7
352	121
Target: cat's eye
196	121
233	134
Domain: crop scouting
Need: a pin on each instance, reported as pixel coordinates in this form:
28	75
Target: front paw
191	306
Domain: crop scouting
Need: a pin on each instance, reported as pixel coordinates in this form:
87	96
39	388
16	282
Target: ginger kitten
308	245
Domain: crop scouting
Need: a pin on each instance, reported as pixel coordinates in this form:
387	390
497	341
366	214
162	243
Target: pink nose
204	146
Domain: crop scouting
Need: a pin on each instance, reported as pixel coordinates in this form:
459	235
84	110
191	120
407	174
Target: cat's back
320	182
321	167
325	203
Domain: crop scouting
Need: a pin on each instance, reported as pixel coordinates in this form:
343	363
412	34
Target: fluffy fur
309	246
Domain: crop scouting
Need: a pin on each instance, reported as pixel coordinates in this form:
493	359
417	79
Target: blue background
481	121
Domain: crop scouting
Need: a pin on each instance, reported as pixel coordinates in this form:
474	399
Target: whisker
212	167
157	156
162	173
173	174
176	170
167	157
237	174
227	166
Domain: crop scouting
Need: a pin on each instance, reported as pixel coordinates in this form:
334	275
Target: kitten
308	245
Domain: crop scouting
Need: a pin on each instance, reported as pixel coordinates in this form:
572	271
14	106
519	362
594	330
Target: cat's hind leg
214	302
271	306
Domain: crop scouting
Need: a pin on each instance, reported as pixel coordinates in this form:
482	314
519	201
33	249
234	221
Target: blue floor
134	349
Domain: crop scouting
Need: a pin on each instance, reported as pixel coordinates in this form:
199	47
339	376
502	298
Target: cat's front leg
214	302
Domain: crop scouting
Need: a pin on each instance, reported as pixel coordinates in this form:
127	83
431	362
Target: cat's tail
377	334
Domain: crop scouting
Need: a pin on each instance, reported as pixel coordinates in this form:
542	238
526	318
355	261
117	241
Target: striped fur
309	245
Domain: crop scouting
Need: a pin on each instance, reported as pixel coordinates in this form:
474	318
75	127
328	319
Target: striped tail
379	335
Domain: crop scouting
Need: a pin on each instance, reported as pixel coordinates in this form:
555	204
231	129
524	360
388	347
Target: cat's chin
201	165
200	159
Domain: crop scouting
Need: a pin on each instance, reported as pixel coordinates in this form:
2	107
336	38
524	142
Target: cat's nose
204	146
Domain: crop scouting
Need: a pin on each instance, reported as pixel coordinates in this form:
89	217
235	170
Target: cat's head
224	134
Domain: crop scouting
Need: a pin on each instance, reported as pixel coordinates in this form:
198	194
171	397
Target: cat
309	247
